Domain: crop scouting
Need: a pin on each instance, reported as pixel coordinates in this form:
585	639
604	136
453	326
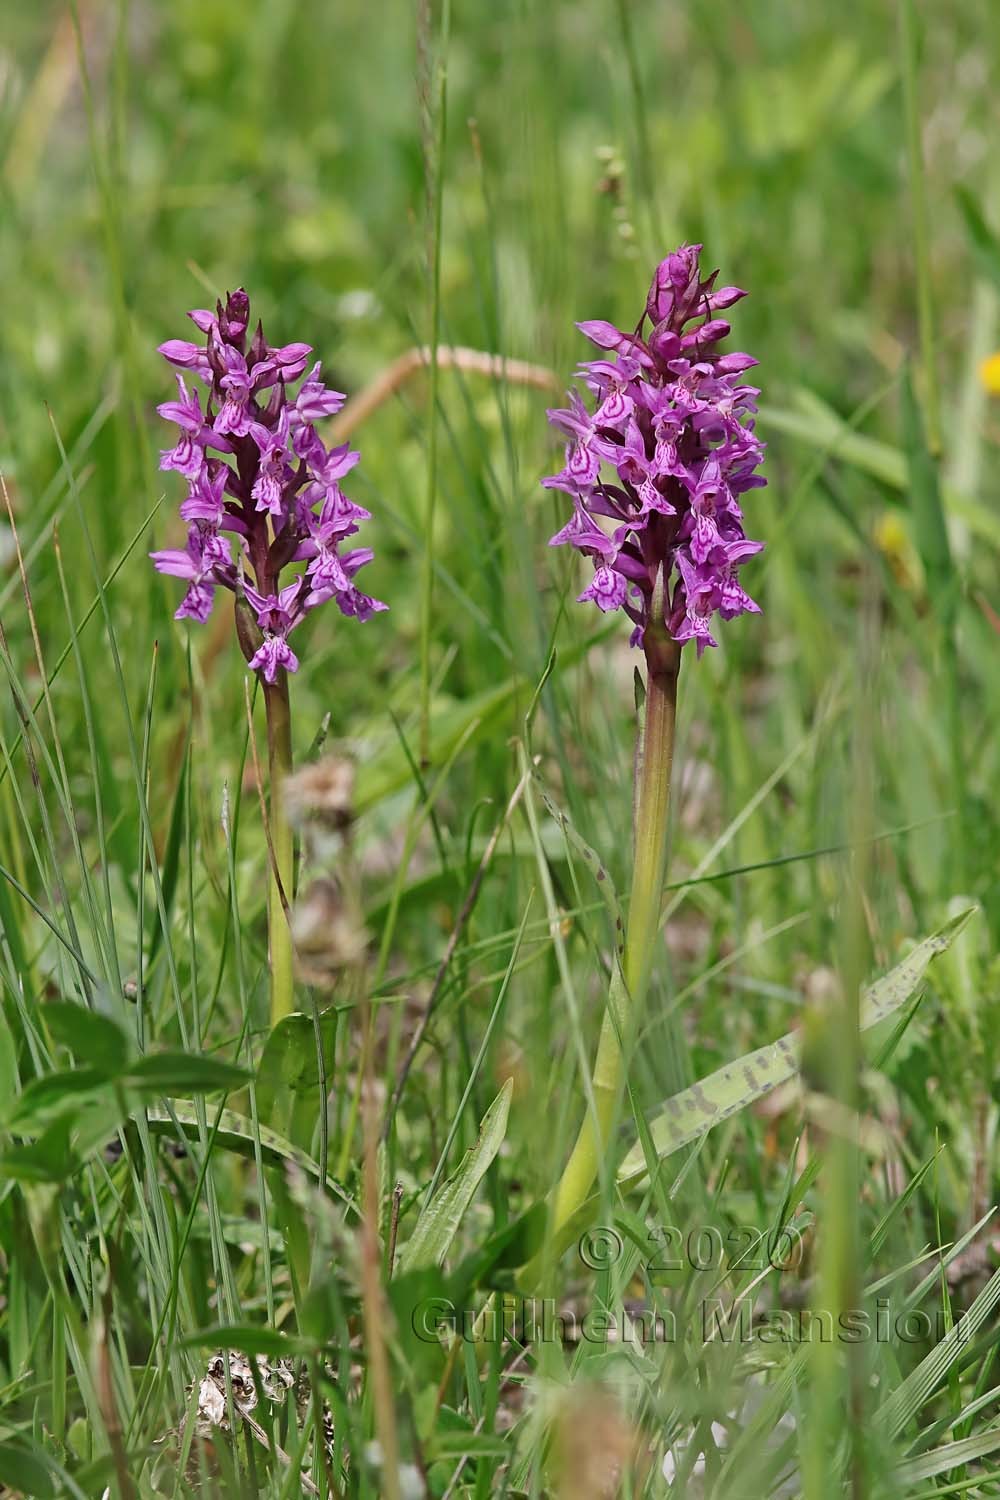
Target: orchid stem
649	870
279	887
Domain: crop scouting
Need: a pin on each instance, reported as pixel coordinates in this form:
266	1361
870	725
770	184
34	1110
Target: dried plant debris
249	1382
274	1380
327	933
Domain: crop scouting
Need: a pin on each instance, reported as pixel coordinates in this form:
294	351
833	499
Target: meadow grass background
167	152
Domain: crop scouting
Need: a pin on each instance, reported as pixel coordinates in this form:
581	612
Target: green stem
280	861
649	869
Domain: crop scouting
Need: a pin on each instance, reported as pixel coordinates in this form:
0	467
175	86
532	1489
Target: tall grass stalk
434	169
921	231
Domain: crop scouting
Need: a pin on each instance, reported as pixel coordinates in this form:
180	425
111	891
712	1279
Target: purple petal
607	589
175	561
197	603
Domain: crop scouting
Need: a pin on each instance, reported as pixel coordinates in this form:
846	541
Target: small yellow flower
893	541
989	374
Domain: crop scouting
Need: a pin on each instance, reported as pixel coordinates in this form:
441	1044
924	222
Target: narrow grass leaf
950	1456
249	1339
908	1398
985	245
929	527
820	426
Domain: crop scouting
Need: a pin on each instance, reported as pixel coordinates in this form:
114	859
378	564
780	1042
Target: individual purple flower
257	468
273	655
333	579
672	421
235	415
274	471
290	360
206	498
188	454
315	400
188	357
326	468
607	589
204	562
277	614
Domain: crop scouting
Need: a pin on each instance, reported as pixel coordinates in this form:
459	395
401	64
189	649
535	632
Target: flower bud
233	318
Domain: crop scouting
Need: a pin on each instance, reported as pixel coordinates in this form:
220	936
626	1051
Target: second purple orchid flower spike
656	473
676	426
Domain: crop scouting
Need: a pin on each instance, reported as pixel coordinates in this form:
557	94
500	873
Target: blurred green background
293	148
284	148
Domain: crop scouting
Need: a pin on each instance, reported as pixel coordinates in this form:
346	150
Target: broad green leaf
91	1037
455	1437
424	1303
48	1159
436	1227
731	1088
22	1470
288	1064
84	1126
45	1097
183	1072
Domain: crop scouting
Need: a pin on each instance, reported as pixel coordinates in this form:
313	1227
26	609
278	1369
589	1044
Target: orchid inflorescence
257	468
676	426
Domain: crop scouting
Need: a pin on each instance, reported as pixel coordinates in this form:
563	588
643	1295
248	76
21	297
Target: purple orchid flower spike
257	469
655	465
665	534
264	493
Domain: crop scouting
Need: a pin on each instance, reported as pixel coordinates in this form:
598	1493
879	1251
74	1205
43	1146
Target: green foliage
440	1218
740	1083
170	1182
